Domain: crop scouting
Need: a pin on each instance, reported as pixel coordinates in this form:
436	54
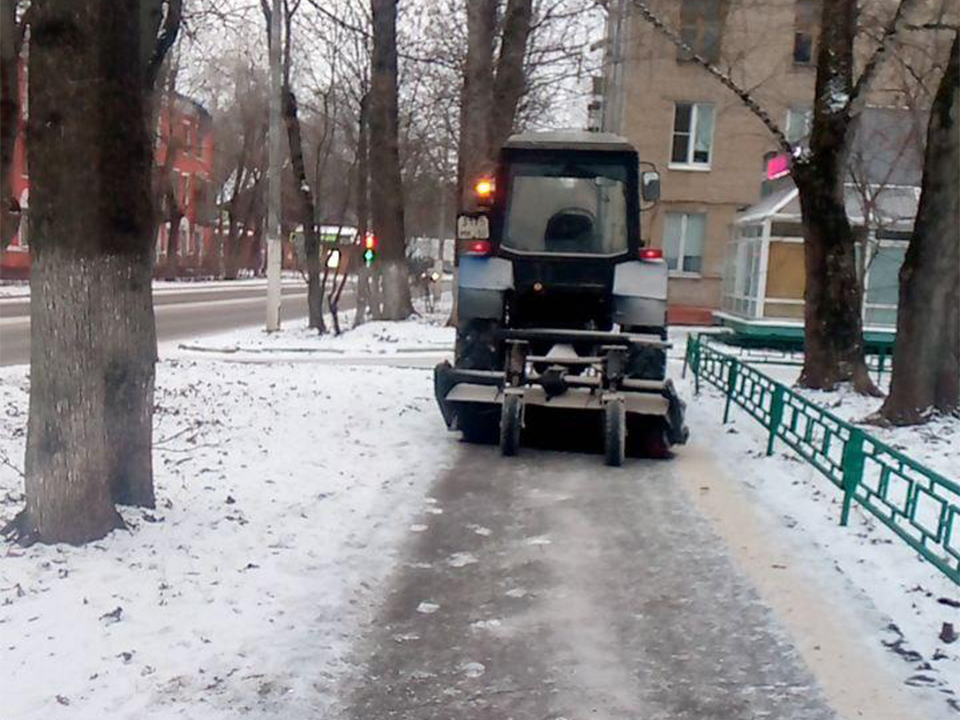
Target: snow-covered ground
283	492
879	567
14	289
429	335
21	288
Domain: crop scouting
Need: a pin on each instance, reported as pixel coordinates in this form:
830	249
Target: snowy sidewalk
549	586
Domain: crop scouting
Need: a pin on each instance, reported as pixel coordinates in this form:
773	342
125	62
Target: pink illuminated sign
778	166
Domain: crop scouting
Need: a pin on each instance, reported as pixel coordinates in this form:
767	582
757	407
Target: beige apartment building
710	150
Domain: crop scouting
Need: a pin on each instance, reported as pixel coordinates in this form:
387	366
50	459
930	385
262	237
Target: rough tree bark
91	161
833	296
476	100
11	38
364	296
386	188
510	82
311	240
171	268
291	120
926	356
491	94
130	334
833	342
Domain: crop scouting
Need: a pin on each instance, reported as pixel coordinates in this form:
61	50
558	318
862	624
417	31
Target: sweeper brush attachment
556	398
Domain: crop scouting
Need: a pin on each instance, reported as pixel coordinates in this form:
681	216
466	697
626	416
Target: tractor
561	309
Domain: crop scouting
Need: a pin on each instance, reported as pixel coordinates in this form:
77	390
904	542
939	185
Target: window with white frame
741	281
799	122
683	238
692	135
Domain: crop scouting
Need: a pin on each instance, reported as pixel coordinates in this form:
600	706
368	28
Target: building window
24	228
187	136
183	238
701	24
692	134
883	284
799	122
805	30
683	238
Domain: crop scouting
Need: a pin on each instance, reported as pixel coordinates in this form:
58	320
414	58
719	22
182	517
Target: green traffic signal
370	253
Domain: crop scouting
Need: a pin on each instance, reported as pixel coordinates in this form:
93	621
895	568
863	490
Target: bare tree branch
862	86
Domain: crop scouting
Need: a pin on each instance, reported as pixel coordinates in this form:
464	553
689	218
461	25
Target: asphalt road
548	587
180	314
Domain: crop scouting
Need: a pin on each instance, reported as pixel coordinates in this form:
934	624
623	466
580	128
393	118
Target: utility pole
274	244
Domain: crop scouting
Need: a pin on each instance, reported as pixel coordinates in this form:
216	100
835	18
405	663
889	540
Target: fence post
686	357
776	416
695	366
852	464
731	386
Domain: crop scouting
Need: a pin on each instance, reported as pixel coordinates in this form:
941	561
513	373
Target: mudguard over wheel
510	425
614	432
479	426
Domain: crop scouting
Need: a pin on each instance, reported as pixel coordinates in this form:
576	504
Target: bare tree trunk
474	149
386	191
10	43
175	217
476	103
926	356
510	82
130	345
291	119
311	242
833	299
363	299
93	343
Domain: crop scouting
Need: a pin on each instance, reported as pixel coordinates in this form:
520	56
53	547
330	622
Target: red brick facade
188	125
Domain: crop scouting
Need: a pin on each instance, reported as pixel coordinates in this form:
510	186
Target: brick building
184	126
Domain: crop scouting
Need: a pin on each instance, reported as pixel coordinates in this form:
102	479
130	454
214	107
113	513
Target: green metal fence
921	506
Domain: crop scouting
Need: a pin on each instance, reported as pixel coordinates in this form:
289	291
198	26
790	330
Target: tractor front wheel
510	425
614	432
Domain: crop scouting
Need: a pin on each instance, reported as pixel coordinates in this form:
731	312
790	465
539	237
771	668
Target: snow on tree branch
168	35
724	78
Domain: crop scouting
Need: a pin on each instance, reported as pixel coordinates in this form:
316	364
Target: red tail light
476	247
651	254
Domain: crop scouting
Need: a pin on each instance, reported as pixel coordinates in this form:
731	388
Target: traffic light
370	249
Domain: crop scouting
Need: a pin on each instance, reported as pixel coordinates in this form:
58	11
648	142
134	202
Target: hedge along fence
919	505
